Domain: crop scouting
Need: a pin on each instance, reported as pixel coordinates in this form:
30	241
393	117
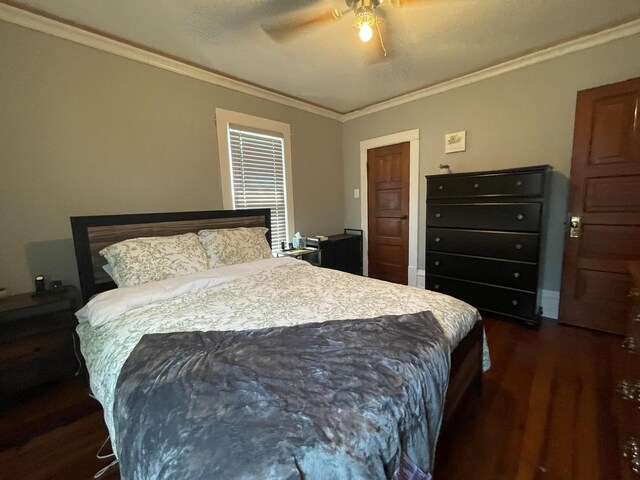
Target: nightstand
38	343
341	252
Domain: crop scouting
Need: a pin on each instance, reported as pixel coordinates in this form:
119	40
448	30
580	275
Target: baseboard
413	273
550	299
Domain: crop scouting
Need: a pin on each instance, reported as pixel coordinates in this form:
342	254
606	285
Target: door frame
413	137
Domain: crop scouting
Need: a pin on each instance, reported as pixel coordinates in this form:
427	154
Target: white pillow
108	270
229	246
149	259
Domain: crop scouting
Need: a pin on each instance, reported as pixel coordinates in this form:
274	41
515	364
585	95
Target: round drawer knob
440	187
437	239
518	246
519	183
520	216
438	215
436	286
514	302
475	185
436	263
516	274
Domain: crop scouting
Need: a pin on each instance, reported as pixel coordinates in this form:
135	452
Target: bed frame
91	234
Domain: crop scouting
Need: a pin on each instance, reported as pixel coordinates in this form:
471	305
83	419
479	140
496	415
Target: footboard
466	372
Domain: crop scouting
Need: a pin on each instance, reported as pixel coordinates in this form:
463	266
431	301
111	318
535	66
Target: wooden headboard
92	234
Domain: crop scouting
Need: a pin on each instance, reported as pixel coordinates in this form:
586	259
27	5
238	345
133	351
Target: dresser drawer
484	297
506	245
517	217
523	276
520	184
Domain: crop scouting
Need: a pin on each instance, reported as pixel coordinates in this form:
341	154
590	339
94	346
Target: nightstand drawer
484	297
517	217
523	276
522	184
12	331
37	359
34	347
507	245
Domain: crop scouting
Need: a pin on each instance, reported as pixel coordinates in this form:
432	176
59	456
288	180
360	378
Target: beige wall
83	132
520	118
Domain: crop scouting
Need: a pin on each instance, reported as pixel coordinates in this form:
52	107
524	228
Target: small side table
38	343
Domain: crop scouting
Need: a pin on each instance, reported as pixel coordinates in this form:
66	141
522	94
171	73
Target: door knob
404	217
575	227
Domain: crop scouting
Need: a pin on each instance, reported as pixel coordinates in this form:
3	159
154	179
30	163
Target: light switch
356	193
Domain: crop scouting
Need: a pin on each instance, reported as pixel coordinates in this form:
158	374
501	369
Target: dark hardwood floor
543	414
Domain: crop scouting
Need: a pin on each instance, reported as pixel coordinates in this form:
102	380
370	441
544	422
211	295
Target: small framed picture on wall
455	142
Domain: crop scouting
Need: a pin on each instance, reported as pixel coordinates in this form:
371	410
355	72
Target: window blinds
258	177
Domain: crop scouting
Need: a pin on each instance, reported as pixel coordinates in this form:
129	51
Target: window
255	166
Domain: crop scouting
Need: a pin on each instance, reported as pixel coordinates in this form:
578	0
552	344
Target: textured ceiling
428	42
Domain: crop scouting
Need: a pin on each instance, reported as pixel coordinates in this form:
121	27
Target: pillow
228	246
149	259
108	270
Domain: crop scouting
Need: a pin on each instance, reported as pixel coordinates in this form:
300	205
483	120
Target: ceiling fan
366	18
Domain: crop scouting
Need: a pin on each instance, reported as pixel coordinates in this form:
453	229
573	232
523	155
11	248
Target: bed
127	332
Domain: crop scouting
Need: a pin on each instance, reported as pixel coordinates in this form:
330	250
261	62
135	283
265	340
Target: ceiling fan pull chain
380	35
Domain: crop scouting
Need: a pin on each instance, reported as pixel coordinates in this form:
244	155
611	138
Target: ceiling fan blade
285	30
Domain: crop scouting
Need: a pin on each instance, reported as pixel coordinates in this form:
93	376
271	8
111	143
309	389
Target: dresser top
533	168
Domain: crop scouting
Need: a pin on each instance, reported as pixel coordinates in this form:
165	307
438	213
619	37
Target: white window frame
225	118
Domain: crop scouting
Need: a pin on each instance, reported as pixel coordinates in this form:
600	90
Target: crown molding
39	23
576	45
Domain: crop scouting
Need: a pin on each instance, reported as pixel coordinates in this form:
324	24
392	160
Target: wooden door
388	208
605	195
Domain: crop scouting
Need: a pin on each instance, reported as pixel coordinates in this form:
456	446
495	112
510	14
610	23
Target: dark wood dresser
37	341
485	237
627	402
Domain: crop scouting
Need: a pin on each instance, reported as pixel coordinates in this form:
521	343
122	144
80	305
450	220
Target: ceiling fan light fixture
365	19
365	32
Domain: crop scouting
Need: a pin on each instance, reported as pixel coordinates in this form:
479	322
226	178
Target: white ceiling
429	42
